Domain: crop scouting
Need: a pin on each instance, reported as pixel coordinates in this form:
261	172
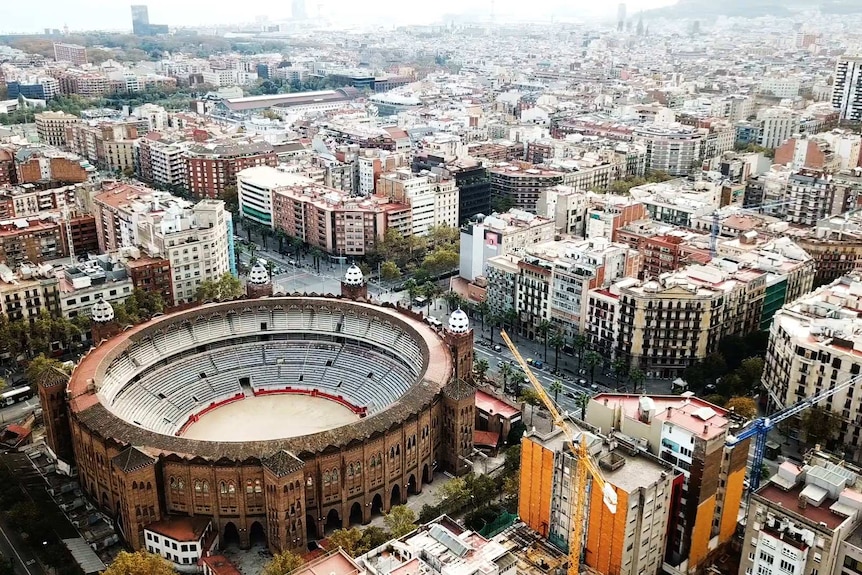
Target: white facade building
255	187
847	88
777	126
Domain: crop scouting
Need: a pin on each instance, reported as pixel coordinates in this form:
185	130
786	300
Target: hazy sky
18	16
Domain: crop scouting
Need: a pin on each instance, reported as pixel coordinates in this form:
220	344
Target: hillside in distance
753	8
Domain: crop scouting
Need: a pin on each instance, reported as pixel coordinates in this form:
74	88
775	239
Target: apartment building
520	183
608	213
690	434
44	165
255	188
433	199
813	345
331	220
82	285
499	235
29	200
811	196
630	542
834	244
672	148
471	179
847	88
84	83
553	279
678	202
811	152
804	520
161	162
73	53
25	294
777	125
150	274
213	166
42	238
197	241
51	127
8	174
108	145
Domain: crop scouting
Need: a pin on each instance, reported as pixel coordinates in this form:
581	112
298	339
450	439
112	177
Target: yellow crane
584	466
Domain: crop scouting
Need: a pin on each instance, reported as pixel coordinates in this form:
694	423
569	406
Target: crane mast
584	465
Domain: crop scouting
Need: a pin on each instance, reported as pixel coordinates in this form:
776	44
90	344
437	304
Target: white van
433	321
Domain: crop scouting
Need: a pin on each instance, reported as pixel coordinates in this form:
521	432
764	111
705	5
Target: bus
15	395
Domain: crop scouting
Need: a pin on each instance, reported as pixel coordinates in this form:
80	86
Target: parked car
497	347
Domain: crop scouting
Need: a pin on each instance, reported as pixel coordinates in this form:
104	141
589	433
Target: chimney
706	429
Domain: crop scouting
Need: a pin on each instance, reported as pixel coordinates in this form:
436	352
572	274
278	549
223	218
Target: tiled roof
132	459
282	463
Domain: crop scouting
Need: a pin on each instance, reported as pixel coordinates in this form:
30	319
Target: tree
372	538
316	255
347	539
400	520
506	371
556	387
544	329
580	344
742	406
46	371
454	494
620	368
637	377
142	563
557	341
226	287
389	271
484	309
592	360
749	372
453	300
512	459
480	368
440	260
582	401
531	398
820	425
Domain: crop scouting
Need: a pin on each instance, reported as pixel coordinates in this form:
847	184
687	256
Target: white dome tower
258	284
459	322
353	285
258	274
102	311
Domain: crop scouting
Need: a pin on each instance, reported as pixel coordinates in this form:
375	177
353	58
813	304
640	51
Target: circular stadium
277	417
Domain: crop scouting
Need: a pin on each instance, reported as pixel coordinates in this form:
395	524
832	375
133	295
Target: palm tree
510	317
484	309
556	387
544	329
316	254
506	371
494	319
265	233
592	360
557	340
637	377
430	290
620	368
252	251
582	401
453	300
480	368
580	344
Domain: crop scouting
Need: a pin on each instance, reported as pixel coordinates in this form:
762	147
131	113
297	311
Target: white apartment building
500	235
156	117
847	88
195	240
780	87
180	540
433	200
777	125
51	127
162	163
814	344
678	202
82	285
846	146
672	148
801	521
255	187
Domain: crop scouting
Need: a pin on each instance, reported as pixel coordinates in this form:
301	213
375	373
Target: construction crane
716	221
584	465
759	428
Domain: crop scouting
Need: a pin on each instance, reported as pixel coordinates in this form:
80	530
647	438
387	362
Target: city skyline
105	15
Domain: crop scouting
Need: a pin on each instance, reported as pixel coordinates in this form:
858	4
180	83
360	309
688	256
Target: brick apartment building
152	275
47	165
211	167
43	240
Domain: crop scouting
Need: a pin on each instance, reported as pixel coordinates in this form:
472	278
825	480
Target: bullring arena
277	418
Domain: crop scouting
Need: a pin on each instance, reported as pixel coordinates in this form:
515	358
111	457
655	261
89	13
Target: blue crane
759	428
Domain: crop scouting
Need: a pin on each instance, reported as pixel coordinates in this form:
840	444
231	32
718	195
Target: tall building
161	162
805	520
140	19
297	10
519	184
777	125
255	188
73	53
621	17
813	195
433	198
628	543
689	434
847	88
671	148
814	344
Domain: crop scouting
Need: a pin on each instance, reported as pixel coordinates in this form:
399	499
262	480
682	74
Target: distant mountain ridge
753	8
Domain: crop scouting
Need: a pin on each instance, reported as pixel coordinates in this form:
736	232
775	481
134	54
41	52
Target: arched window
206	487
309	481
134	484
222	487
197	487
173	483
149	486
391	453
231	488
326	478
181	486
335	476
249	488
350	470
257	486
358	468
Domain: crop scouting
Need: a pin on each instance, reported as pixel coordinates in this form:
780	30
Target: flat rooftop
697	416
789	501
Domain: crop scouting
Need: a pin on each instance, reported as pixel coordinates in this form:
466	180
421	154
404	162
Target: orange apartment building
212	166
628	542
